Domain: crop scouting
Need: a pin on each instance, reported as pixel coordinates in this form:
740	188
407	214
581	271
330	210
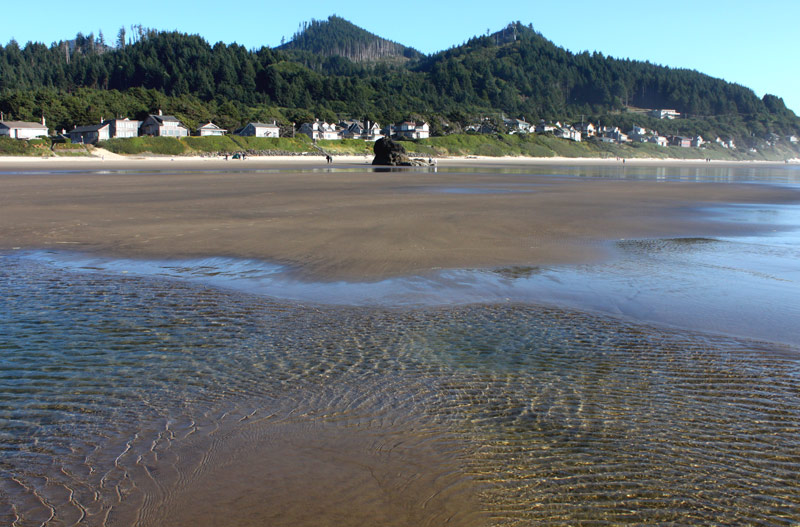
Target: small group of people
238	155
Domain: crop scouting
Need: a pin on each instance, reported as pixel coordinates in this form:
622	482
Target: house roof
210	126
21	124
165	118
264	125
88	128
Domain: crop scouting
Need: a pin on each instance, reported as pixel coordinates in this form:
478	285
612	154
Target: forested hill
338	37
516	72
517	68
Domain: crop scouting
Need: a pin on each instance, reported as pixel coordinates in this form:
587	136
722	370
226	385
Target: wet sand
334	224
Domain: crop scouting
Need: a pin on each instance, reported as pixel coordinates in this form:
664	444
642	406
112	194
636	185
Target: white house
517	126
320	130
568	132
791	138
23	129
163	126
698	141
123	127
411	130
260	130
659	140
664	114
210	129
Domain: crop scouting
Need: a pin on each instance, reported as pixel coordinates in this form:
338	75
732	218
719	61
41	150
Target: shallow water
661	387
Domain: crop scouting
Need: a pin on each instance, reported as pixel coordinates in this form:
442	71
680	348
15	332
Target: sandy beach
343	223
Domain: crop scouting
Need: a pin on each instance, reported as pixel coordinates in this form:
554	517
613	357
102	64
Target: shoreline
111	159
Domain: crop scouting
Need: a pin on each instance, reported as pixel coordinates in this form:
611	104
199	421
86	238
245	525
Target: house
659	140
639	134
260	130
698	141
320	130
588	129
568	132
23	129
664	114
108	129
163	126
615	134
791	138
123	128
368	131
517	126
210	129
544	128
681	141
411	130
90	134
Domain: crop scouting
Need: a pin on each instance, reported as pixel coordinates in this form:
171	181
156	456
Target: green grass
145	145
21	147
531	145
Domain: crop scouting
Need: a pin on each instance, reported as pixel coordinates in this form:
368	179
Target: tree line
515	72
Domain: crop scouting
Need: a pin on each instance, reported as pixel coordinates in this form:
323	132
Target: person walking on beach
329	159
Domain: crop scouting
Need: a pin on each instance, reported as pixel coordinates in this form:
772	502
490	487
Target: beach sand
346	224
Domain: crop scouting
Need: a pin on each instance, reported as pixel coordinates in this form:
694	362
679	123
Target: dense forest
338	37
515	72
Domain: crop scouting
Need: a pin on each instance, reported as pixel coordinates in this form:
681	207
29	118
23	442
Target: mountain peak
339	37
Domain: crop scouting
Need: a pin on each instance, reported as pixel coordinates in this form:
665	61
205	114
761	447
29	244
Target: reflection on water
771	174
128	400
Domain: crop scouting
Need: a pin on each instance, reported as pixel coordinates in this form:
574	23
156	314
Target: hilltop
338	37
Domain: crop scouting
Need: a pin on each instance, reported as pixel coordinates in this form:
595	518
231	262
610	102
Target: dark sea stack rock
390	153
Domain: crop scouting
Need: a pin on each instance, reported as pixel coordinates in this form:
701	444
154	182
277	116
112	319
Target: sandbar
349	222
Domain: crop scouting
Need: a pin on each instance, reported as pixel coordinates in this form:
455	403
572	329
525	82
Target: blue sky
751	43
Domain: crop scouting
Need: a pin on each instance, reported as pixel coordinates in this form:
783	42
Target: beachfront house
259	130
90	134
163	126
568	132
517	126
658	140
411	130
698	141
588	129
681	141
615	135
368	131
320	130
210	129
108	129
23	129
122	128
639	134
543	127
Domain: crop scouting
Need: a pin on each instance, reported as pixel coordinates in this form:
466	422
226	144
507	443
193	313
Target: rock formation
390	153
